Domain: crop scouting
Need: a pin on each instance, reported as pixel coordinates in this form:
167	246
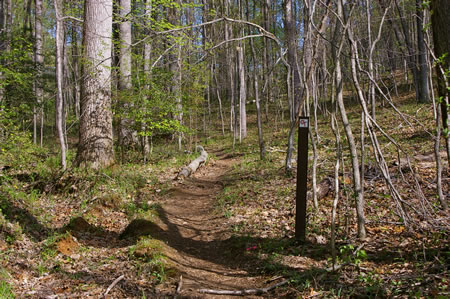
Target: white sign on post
303	123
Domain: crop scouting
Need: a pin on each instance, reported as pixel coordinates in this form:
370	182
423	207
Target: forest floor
228	227
176	244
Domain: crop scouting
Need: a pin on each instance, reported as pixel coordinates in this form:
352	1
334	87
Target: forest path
198	238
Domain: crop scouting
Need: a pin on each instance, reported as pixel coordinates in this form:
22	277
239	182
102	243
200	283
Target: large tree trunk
441	35
95	149
59	78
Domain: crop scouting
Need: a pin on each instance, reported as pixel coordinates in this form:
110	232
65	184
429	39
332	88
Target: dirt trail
197	235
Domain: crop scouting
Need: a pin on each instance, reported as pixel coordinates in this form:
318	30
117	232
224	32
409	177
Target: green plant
348	254
49	250
6	290
373	284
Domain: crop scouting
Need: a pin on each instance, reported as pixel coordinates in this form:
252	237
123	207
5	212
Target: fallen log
244	292
194	165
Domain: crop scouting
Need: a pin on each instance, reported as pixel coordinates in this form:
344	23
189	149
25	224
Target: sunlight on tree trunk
95	149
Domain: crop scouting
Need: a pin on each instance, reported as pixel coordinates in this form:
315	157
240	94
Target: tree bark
294	90
59	78
357	184
242	95
147	73
262	148
76	74
2	48
424	93
291	33
440	23
128	133
409	45
95	149
39	61
268	61
194	165
175	69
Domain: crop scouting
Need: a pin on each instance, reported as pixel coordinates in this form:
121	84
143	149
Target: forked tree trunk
95	149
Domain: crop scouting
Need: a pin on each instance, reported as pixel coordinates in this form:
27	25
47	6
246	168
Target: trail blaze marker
302	176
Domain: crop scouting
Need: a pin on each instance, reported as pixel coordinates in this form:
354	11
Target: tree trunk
370	61
357	184
175	69
59	78
424	93
76	74
242	95
409	45
291	33
147	74
128	133
262	148
2	48
441	36
213	73
295	94
95	149
230	72
194	165
268	61
39	61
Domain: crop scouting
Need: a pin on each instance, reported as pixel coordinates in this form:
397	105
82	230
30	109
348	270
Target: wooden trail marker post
302	176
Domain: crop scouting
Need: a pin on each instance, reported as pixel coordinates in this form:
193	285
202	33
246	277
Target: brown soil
96	248
198	237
